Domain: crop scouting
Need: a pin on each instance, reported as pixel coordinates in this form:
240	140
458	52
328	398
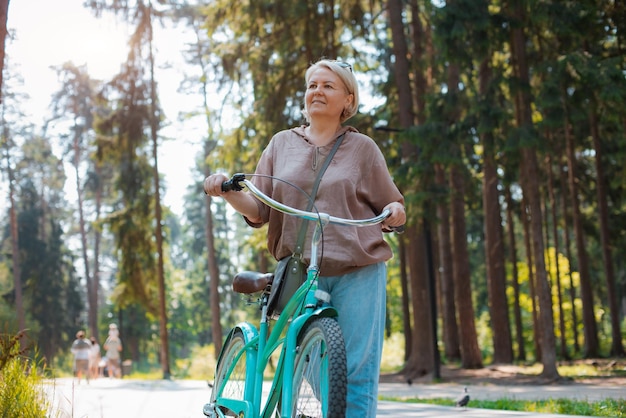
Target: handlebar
239	179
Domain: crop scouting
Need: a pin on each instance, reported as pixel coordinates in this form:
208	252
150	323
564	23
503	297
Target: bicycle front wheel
230	375
320	375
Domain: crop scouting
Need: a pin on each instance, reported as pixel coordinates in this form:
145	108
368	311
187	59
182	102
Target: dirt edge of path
608	372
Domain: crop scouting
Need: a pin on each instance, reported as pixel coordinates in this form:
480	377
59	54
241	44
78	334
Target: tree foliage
482	108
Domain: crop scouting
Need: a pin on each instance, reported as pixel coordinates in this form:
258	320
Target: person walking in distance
356	185
80	349
94	358
113	348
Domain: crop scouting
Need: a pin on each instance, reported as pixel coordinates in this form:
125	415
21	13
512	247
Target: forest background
503	123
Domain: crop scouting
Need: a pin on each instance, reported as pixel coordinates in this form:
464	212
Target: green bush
200	365
22	394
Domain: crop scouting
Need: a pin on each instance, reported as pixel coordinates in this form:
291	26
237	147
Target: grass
21	385
605	408
393	356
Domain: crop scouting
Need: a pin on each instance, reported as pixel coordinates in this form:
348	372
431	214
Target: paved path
579	391
111	398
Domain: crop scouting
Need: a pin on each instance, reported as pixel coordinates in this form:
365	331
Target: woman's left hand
397	216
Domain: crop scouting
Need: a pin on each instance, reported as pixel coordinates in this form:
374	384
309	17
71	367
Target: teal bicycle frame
306	304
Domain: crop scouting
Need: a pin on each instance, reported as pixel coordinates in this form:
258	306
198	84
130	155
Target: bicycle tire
234	386
320	374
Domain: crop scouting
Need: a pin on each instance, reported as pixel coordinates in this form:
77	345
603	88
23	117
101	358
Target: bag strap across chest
303	226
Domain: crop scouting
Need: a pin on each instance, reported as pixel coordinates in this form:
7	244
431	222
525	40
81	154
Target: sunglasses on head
344	65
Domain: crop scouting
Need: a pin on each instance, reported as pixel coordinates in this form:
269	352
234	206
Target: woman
356	185
94	358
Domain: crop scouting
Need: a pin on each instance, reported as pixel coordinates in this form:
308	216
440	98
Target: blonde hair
345	74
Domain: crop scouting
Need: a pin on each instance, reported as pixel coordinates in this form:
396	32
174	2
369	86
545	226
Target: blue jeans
359	297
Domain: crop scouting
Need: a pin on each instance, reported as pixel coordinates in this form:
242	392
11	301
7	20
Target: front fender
300	322
248	331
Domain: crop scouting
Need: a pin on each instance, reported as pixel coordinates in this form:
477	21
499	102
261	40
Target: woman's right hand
243	203
213	184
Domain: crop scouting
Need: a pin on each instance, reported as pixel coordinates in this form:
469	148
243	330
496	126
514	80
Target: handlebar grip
234	184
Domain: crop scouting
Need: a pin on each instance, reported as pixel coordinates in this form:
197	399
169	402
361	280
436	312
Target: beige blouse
356	185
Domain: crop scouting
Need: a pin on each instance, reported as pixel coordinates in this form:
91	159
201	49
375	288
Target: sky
52	32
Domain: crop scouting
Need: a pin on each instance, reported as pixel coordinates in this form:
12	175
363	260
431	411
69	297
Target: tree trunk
209	234
15	255
557	267
494	246
422	75
214	274
406	299
96	245
531	280
544	294
422	82
496	276
517	311
568	254
15	246
448	307
420	359
546	239
590	327
617	349
4	14
154	128
530	187
401	65
92	314
471	357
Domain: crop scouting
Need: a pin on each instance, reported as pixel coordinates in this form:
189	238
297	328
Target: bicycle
311	375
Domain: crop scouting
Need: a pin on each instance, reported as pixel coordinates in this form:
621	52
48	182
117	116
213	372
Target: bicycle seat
248	282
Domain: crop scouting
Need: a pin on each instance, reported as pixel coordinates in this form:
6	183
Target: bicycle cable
313	207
